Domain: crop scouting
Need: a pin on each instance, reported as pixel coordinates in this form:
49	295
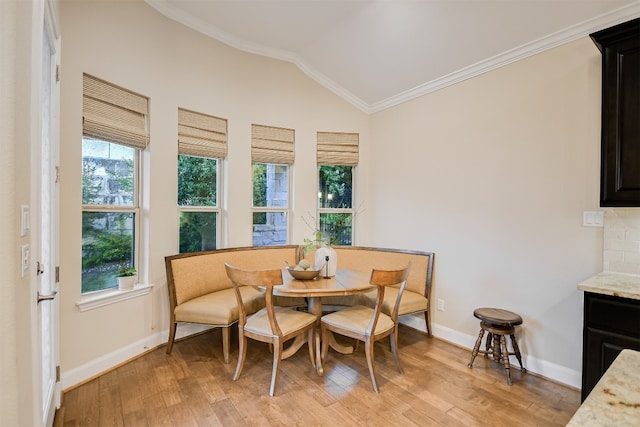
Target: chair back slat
266	279
382	278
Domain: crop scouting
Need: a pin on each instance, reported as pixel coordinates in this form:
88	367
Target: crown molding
524	51
542	44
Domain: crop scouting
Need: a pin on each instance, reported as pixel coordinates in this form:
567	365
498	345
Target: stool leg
497	345
505	357
476	348
487	345
516	350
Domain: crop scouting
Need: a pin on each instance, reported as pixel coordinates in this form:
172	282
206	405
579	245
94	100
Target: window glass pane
270	185
197	181
197	231
107	246
335	186
107	173
269	228
336	228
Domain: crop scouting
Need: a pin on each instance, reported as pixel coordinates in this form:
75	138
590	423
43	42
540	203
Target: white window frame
100	298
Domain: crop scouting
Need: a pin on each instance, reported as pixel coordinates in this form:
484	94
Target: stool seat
497	316
499	324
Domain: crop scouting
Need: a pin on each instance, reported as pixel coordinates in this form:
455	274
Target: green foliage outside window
335	186
197	177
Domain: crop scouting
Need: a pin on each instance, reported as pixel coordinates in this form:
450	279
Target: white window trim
99	299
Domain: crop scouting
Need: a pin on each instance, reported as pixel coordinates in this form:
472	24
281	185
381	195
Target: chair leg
310	343
427	318
368	349
476	348
225	343
394	348
172	336
277	358
242	353
325	342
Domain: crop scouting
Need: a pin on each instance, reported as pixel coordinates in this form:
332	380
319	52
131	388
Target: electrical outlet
440	304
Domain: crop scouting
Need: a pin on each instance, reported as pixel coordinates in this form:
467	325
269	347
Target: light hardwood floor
193	387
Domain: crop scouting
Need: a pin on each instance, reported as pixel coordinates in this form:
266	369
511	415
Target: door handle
46	297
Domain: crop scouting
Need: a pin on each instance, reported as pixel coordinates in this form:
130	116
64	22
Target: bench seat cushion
219	308
411	302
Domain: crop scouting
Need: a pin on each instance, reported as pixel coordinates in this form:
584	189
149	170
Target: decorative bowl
308	274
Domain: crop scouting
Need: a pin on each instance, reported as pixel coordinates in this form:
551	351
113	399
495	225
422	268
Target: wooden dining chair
369	324
273	324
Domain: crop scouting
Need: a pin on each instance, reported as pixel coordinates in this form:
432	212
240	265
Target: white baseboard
552	371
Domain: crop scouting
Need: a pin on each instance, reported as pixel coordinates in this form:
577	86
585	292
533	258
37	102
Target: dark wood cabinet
620	162
611	324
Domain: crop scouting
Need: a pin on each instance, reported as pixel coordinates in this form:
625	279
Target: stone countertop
614	284
615	400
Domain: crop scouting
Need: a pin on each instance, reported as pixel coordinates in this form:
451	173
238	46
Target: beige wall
20	24
175	67
493	175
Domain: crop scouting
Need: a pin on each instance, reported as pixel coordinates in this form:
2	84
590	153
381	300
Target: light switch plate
24	257
593	218
24	220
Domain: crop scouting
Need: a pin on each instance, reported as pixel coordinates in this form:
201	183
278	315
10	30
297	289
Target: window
337	157
271	155
109	212
201	145
114	133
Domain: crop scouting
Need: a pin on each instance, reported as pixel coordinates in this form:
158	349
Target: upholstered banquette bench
417	292
200	291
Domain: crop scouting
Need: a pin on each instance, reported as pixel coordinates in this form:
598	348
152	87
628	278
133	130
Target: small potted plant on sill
127	277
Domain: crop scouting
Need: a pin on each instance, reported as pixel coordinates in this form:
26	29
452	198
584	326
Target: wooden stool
498	323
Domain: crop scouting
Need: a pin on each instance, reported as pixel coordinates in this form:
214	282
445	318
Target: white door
46	204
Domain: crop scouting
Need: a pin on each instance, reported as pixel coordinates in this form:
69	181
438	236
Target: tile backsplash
621	251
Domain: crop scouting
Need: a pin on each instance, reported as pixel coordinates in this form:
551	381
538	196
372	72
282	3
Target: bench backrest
365	259
195	274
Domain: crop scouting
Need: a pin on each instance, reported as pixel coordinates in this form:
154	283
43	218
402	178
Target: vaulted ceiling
380	53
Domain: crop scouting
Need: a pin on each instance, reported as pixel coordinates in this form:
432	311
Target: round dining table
345	282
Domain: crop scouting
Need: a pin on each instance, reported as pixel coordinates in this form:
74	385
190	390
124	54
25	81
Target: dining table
345	282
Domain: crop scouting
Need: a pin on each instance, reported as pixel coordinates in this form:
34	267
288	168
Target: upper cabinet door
620	173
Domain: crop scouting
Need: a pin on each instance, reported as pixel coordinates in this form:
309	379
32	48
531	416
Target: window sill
111	297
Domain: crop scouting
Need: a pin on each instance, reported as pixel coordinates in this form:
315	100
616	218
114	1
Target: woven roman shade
338	148
201	135
272	145
114	114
